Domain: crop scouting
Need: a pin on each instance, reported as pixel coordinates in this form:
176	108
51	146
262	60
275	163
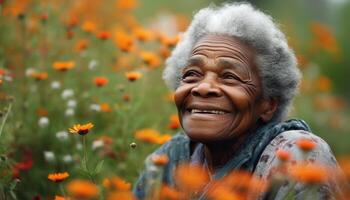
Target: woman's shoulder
289	141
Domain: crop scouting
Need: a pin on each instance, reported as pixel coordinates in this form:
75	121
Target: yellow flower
81	129
58	177
133	76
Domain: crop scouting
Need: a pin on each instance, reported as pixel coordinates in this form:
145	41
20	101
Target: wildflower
123	40
126	4
344	163
309	173
103	35
152	136
133	145
160	160
58	177
92	64
81	129
133	76
150	59
191	177
116	195
40	76
164	52
49	156
143	34
62	135
81	45
67	93
43	122
42	112
324	84
67	158
63	66
97	144
174	122
169	193
72	103
105	107
126	97
69	112
69	35
116	183
61	198
89	27
283	155
168	41
82	189
224	193
55	84
306	144
100	81
72	21
324	38
95	107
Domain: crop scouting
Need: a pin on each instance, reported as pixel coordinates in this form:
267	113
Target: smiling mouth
206	111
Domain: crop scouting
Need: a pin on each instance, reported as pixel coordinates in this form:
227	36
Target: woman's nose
206	88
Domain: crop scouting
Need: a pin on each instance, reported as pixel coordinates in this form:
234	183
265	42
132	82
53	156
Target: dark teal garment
178	150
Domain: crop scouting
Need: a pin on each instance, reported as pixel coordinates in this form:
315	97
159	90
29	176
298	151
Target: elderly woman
235	77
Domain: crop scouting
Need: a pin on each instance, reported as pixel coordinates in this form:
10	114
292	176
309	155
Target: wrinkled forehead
230	44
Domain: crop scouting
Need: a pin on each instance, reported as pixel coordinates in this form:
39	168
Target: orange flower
40	76
126	4
63	66
324	84
103	35
58	177
190	178
152	136
82	189
169	193
324	37
174	122
116	183
283	155
309	173
81	45
100	81
123	40
160	160
126	97
150	59
42	112
105	107
89	27
344	163
164	51
169	41
224	193
143	34
306	144
72	21
118	195
81	129
61	198
133	76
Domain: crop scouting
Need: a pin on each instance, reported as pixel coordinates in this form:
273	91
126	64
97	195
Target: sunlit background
66	62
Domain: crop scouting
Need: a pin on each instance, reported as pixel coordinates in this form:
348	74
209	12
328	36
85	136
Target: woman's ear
268	108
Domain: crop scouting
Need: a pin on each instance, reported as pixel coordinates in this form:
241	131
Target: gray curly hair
276	61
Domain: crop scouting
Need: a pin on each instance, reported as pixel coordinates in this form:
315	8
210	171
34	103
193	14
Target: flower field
82	101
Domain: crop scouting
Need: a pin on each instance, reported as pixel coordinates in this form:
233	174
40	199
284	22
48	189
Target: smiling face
220	95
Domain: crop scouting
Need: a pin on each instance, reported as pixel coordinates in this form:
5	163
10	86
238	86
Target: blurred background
68	62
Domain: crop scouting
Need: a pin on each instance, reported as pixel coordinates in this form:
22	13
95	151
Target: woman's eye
190	75
230	76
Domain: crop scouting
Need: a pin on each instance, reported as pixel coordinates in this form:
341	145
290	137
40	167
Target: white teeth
207	111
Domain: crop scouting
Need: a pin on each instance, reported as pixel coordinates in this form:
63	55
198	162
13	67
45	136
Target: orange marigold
118	195
126	4
133	76
174	122
61	198
58	177
40	76
143	34
191	178
160	160
116	183
100	81
103	35
105	107
63	66
81	45
151	59
123	40
89	26
152	136
306	144
309	173
81	129
224	193
82	189
283	155
169	193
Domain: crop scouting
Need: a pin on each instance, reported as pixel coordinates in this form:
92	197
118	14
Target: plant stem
62	190
5	118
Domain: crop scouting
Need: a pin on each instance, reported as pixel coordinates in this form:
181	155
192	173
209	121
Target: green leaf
98	167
